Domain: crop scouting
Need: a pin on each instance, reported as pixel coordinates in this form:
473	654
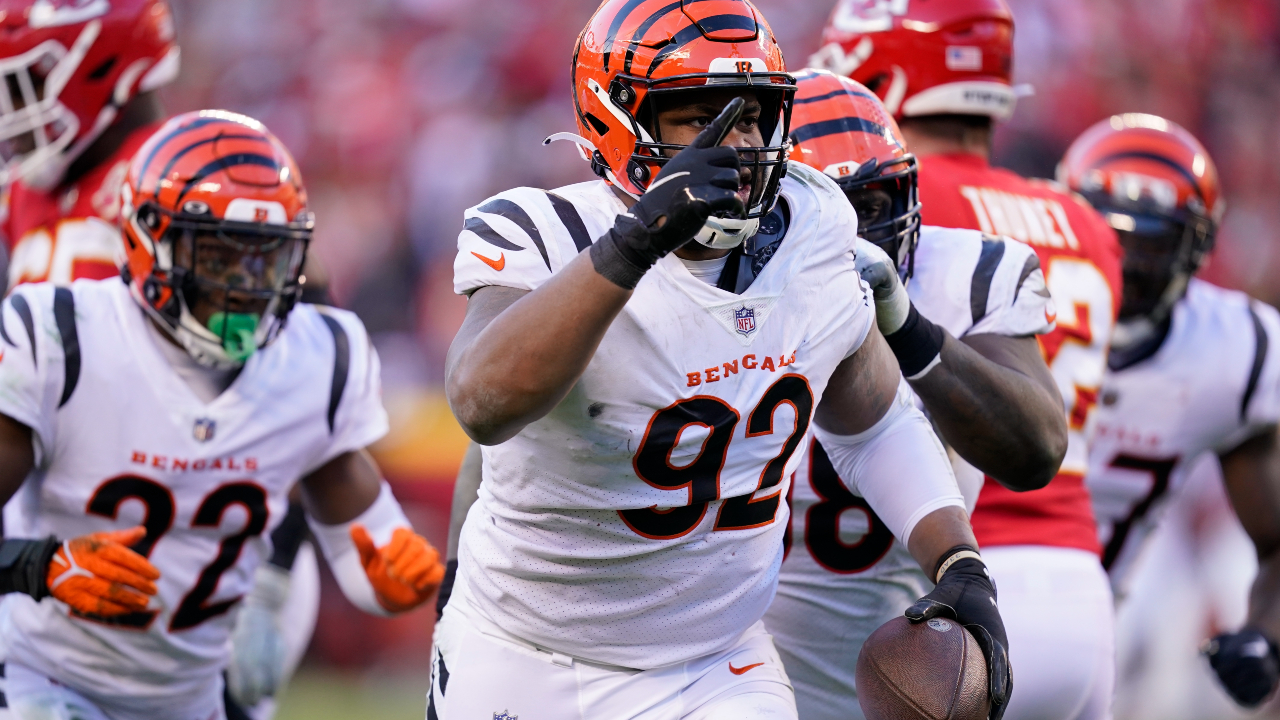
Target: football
932	670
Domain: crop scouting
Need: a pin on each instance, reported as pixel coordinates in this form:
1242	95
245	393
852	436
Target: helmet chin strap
726	233
586	148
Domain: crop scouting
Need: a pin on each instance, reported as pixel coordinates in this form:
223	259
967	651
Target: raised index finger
715	133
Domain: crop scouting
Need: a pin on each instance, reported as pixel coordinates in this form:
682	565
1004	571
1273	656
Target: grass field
327	695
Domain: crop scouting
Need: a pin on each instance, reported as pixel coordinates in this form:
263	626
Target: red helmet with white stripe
69	67
925	57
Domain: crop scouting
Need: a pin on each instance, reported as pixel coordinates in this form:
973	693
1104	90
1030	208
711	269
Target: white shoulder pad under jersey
1214	382
522	237
973	283
122	440
653	489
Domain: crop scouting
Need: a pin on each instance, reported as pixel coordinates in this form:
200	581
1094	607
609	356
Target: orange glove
98	574
404	573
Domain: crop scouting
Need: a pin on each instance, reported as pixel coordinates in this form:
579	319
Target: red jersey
1080	255
70	232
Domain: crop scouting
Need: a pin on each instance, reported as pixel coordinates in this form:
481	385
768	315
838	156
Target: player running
990	393
159	424
1193	368
642	397
945	71
82	101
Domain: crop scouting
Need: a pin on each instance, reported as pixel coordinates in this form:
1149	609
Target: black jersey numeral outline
700	478
822	521
158	519
1160	470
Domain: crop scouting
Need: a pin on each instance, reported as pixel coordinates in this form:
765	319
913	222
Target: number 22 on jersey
699	479
158	520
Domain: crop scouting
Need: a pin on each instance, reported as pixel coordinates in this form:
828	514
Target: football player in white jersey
991	396
153	428
1193	368
642	397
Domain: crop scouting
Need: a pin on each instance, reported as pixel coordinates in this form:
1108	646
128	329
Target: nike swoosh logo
498	264
741	670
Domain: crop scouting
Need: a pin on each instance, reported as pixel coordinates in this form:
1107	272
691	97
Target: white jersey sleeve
1260	403
972	283
356	415
521	237
33	370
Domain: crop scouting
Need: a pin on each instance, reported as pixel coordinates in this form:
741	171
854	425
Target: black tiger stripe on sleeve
28	322
64	316
1031	265
489	235
517	215
572	220
1259	359
983	274
341	366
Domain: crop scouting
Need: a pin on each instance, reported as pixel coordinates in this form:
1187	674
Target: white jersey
845	574
1214	382
640	522
121	441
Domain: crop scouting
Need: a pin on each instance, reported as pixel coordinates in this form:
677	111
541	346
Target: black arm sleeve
288	537
24	566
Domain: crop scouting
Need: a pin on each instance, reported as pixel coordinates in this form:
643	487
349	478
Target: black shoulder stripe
24	312
980	288
1031	265
1259	357
568	215
489	235
4	333
517	215
341	366
64	314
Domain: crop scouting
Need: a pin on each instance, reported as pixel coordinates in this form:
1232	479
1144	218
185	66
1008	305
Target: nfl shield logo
746	319
203	431
504	716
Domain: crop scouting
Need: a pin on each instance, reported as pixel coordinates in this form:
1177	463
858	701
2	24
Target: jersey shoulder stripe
572	220
513	212
341	365
28	322
1259	359
980	287
64	316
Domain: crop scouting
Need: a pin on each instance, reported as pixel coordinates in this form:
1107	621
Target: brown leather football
933	670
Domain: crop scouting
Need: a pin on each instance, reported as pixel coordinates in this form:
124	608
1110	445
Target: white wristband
381	519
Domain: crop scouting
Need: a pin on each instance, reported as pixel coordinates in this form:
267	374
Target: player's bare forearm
519	353
343	488
861	389
17	456
1251	474
938	532
466	490
994	401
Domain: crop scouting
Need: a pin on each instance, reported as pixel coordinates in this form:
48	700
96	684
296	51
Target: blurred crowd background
404	112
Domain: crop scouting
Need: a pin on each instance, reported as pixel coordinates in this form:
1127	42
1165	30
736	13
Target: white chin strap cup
725	233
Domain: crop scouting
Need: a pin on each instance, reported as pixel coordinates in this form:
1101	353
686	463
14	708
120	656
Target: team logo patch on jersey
203	430
745	318
504	715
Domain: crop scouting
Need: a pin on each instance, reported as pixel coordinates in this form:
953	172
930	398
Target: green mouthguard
236	331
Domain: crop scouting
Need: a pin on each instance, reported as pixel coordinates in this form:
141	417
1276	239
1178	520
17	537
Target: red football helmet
69	66
216	228
635	53
1157	186
841	128
922	57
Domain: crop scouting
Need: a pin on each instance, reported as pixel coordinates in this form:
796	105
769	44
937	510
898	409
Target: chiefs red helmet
69	66
841	128
923	57
635	54
1157	186
216	227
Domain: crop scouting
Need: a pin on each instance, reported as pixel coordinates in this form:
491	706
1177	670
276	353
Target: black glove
1247	663
701	180
966	594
